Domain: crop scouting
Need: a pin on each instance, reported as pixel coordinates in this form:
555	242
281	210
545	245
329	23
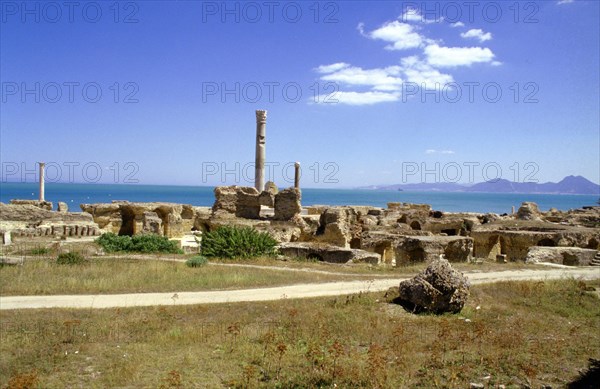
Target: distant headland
568	185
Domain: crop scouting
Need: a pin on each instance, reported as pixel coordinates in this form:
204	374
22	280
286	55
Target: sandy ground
267	294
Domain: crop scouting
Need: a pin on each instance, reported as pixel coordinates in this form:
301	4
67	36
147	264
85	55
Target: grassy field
378	270
510	333
40	275
121	275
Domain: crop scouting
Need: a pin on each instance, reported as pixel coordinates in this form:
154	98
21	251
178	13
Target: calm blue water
75	194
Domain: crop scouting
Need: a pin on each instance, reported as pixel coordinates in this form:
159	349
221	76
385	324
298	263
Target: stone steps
596	260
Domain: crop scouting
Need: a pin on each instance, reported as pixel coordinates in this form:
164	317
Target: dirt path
267	294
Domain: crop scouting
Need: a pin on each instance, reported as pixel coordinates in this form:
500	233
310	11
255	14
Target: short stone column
42	178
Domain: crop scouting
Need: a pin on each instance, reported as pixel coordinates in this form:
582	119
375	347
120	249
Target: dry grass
122	275
40	275
524	333
378	270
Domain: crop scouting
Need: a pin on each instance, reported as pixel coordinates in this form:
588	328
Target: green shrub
197	261
112	242
152	243
39	251
237	242
149	243
70	258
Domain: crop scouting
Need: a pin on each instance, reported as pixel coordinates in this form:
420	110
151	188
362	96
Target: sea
75	194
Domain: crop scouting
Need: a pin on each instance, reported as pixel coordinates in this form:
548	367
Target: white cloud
457	56
413	15
402	36
358	86
383	79
565	2
358	98
334	67
477	33
421	73
434	151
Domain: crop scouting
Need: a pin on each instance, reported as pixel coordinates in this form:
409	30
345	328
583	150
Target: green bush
197	261
70	258
39	251
150	243
111	242
237	242
153	244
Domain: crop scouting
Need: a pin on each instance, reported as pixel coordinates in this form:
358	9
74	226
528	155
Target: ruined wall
126	218
23	221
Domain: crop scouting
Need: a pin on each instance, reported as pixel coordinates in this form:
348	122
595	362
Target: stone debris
328	253
570	256
437	289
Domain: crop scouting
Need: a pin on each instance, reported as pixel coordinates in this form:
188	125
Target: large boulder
438	289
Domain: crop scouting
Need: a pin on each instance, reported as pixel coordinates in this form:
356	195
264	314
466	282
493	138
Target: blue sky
361	93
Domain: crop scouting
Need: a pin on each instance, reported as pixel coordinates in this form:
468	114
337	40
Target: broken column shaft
42	178
261	129
297	175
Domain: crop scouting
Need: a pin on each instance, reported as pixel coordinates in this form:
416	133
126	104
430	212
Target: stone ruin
398	235
130	218
23	221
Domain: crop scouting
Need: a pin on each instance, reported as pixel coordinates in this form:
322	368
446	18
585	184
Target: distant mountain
568	185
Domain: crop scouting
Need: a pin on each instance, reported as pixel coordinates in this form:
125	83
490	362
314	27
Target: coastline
482	202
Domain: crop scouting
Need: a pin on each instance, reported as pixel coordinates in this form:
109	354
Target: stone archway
547	242
127	222
415	225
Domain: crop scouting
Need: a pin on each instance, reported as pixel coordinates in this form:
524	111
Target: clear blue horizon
361	93
76	194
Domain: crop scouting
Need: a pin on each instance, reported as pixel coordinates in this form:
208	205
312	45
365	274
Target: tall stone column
42	178
261	130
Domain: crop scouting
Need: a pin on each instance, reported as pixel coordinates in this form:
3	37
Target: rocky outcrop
438	289
571	256
62	207
328	253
